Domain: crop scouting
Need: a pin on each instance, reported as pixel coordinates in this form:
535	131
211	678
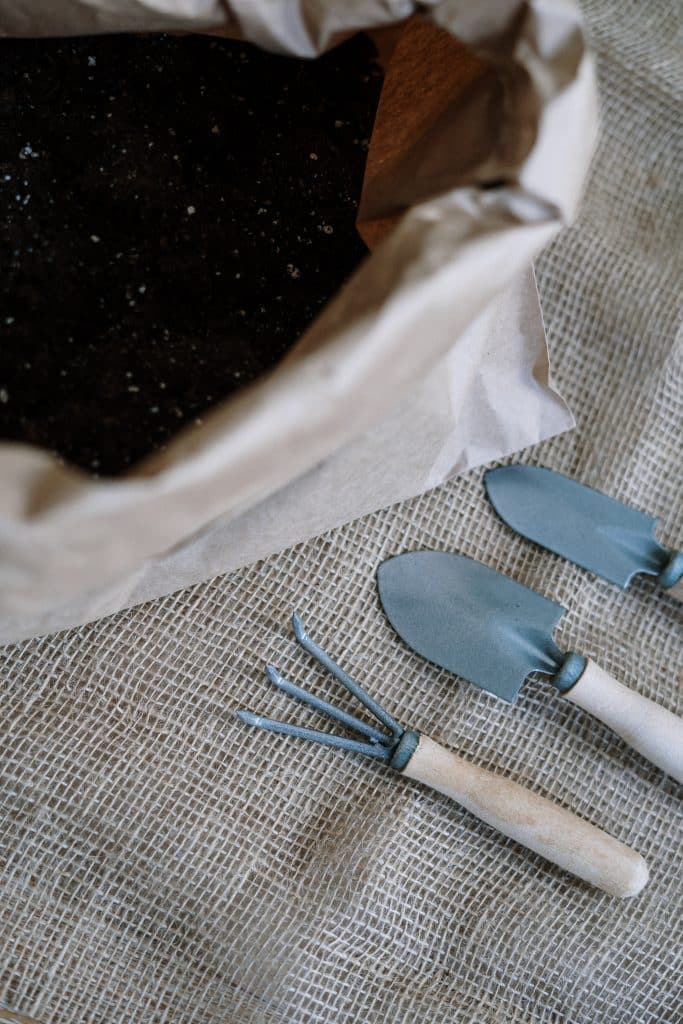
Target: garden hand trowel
488	629
580	524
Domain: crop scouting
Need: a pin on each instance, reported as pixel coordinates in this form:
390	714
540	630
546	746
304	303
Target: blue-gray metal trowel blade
470	619
591	529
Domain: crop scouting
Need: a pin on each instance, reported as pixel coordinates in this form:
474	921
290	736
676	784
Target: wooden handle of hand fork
539	824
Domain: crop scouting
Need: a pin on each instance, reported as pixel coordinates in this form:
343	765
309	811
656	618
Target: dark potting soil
174	211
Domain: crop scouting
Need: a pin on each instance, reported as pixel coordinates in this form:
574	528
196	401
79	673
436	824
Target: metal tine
366	700
327	739
350	721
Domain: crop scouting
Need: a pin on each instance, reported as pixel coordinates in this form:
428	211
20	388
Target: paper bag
477	161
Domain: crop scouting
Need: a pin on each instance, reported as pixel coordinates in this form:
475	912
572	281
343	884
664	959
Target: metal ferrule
571	670
406	747
672	571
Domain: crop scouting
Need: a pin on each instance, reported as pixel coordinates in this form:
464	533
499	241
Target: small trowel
584	526
483	626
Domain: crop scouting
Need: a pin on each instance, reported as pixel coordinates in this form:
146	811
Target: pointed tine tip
248	717
298	626
273	675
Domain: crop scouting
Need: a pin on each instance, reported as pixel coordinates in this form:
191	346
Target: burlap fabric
163	862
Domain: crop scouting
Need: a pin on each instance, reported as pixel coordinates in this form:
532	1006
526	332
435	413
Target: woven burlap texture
164	863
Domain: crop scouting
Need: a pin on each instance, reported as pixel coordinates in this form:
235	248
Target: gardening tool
537	823
483	626
586	527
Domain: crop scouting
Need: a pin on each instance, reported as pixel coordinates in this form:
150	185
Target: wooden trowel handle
652	730
537	823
